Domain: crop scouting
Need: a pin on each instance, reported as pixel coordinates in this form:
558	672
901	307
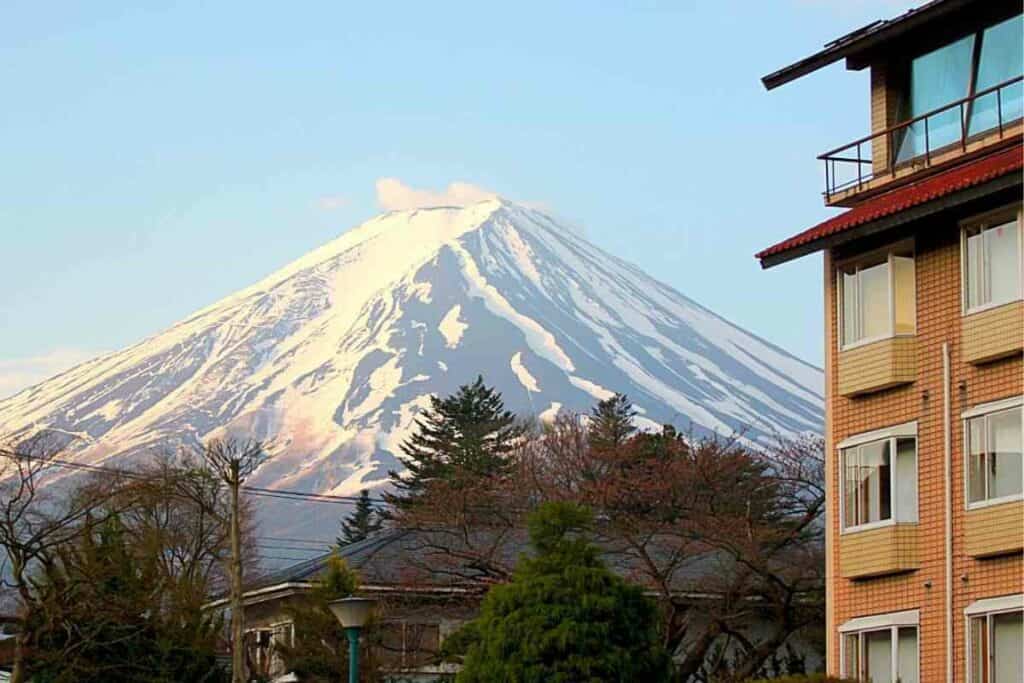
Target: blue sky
157	157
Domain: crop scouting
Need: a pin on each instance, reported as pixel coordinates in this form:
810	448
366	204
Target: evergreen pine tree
565	617
467	434
611	423
362	522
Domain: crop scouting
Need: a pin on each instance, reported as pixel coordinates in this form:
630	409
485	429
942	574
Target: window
992	262
877	298
881	649
879	479
995	640
262	643
999	60
970	65
994	453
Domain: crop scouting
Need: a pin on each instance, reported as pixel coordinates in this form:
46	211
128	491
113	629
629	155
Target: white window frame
907	430
983	221
982	410
890	253
987	608
891	622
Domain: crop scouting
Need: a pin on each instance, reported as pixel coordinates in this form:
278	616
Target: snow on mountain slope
333	355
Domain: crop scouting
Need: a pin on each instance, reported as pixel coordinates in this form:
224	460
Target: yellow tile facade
876	366
994	333
939	322
877	552
994	530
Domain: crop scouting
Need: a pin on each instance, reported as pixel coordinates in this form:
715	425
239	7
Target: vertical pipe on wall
947	438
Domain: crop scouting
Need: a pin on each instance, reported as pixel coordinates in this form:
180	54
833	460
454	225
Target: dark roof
414	558
866	38
963	177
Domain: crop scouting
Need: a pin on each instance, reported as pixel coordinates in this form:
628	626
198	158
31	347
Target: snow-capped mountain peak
332	355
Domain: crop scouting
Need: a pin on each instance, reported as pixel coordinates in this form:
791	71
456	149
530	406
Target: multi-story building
924	329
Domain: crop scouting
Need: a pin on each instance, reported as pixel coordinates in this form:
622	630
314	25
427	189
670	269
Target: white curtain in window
878	653
1008	648
874	301
1005	452
906	656
906	480
1002	256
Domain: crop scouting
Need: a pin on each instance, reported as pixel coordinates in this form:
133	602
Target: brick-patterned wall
881	118
994	333
878	365
994	530
879	551
938	322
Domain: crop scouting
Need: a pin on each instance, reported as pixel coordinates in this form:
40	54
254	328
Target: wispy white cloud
332	201
394	195
20	373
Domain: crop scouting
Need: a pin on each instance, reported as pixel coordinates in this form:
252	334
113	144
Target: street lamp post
352	613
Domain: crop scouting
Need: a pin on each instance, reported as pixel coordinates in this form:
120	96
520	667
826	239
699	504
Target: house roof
1005	163
415	560
865	38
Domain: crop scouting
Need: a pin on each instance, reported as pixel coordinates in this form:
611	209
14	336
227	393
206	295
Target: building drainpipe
947	434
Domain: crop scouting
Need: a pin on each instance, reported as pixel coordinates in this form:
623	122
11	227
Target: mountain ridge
334	353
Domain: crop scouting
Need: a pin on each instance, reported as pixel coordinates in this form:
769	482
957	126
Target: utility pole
233	461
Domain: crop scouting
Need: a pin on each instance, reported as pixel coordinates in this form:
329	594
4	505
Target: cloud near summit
394	195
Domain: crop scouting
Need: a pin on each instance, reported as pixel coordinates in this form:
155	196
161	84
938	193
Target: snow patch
525	378
451	328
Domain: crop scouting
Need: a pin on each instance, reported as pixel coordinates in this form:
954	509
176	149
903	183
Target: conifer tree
362	522
611	423
565	617
468	434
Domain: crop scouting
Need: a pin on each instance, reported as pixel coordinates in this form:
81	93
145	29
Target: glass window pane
906	480
1002	54
936	79
878	656
1004	467
851	656
906	656
875	473
976	459
975	271
979	650
850	478
904	295
874	301
1002	257
851	314
1007	648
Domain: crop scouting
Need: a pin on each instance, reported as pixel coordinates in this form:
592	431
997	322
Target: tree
564	617
232	462
104	616
611	423
466	435
742	526
362	522
34	524
319	651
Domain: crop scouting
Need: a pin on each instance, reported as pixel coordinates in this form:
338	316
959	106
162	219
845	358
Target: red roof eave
960	178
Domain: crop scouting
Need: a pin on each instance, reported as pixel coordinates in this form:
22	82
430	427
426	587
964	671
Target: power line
283	494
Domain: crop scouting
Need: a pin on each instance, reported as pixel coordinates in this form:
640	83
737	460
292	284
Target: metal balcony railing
916	141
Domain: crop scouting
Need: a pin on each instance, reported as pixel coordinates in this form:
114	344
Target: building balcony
935	140
890	549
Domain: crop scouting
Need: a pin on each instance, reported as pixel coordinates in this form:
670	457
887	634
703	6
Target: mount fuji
332	356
